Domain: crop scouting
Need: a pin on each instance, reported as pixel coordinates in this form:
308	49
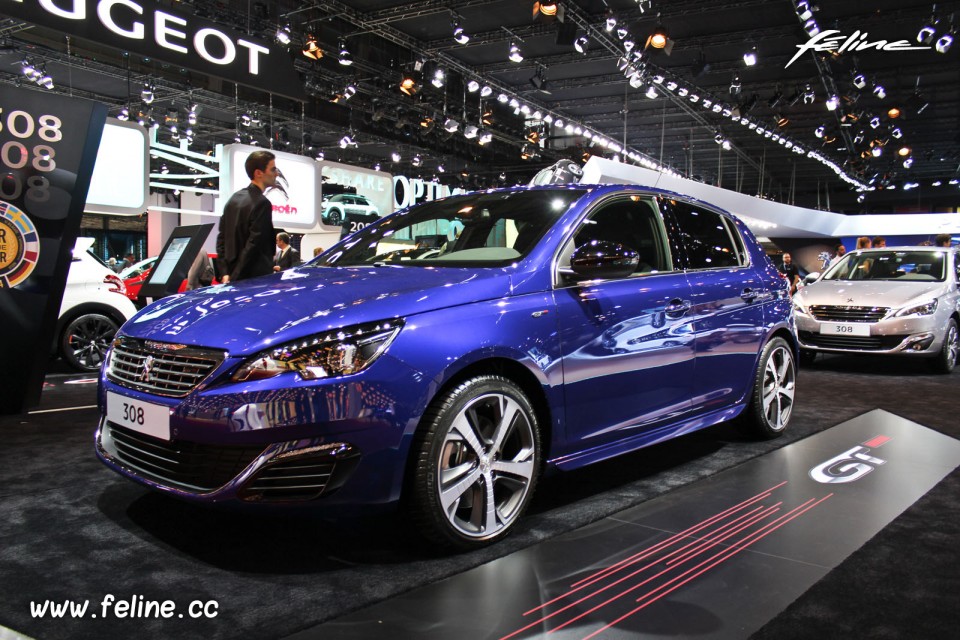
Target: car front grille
855	343
183	465
160	368
838	313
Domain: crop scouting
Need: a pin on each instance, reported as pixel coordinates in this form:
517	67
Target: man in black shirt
790	271
245	241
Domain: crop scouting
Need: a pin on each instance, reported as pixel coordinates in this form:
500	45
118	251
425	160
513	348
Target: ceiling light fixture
944	42
311	49
750	56
283	35
344	56
459	35
581	44
515	55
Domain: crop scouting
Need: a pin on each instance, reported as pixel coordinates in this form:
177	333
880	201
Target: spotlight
470	131
311	49
811	27
735	86
459	35
516	55
896	133
473	86
485	91
750	56
944	42
927	33
124	114
622	32
344	56
410	83
819	131
809	95
146	94
439	77
832	103
192	115
539	81
874	122
859	81
628	45
903	152
395	156
879	91
581	44
893	112
658	39
803	10
877	151
484	137
781	120
725	145
426	124
651	92
908	163
450	125
45	81
283	35
246	120
545	11
416	160
611	23
347	141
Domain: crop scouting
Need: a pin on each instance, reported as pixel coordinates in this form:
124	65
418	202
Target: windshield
890	265
479	229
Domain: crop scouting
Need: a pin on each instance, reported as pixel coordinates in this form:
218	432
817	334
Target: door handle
676	308
748	295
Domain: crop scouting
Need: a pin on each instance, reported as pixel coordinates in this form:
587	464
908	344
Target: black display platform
716	559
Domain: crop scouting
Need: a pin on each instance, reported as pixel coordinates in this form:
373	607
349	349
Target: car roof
904	248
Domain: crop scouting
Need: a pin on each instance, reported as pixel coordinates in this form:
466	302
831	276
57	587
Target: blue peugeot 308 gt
443	357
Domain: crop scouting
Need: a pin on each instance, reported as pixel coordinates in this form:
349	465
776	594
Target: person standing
878	242
246	229
943	240
840	252
287	256
790	271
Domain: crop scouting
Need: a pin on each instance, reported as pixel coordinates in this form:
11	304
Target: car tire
771	399
478	445
335	217
85	340
807	357
946	360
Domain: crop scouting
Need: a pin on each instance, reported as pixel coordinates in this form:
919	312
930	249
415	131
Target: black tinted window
633	222
710	240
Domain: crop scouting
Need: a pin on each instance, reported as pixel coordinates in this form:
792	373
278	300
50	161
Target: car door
727	311
627	347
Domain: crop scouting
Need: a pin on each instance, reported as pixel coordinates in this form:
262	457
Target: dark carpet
72	530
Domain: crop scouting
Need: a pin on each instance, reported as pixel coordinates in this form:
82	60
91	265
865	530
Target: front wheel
946	360
335	217
85	340
477	457
771	401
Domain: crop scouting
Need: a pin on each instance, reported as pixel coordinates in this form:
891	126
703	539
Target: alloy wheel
487	464
779	382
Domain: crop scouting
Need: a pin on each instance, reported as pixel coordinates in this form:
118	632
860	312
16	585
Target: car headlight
334	353
799	308
925	309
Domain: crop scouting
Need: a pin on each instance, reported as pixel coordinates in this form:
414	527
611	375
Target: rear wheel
477	460
85	340
946	360
771	401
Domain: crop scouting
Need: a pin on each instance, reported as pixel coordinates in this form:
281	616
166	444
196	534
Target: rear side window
711	241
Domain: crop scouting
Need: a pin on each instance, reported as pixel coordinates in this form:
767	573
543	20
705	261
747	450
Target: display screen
169	260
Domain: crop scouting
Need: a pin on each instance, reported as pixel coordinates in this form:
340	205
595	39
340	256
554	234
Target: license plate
137	415
844	329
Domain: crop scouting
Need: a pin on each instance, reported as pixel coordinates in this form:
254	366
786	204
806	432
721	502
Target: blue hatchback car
442	358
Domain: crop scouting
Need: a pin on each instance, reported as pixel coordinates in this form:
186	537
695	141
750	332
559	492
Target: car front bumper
914	336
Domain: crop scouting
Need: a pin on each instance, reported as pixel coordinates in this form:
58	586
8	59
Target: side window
710	239
633	222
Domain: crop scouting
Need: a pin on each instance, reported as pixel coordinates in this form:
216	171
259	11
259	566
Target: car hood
869	293
250	316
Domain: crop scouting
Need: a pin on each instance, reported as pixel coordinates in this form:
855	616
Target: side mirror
811	278
604	260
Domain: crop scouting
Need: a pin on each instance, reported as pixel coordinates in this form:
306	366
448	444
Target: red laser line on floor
751	522
756	518
744	544
879	441
640	555
708	540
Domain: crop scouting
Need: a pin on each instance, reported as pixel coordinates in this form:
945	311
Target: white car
891	301
94	306
349	207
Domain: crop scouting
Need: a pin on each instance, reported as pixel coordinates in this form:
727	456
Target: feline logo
850	465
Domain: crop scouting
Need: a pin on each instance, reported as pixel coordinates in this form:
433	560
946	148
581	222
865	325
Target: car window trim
556	283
